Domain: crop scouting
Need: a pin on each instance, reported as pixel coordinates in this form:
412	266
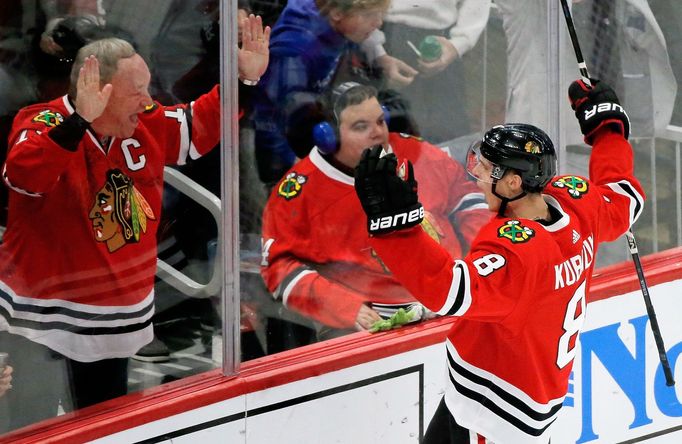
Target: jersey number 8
573	322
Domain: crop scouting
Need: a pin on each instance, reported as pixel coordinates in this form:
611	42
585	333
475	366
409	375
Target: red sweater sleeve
35	161
293	279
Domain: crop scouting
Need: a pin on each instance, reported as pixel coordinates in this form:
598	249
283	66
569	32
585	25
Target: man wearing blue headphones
316	257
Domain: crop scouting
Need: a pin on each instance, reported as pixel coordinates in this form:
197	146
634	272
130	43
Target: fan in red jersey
316	258
78	258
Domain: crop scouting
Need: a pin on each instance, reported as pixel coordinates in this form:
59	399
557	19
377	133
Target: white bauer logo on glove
602	108
396	220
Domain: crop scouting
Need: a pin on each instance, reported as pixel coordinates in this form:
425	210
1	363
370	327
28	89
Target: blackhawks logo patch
292	185
515	232
49	118
120	214
575	186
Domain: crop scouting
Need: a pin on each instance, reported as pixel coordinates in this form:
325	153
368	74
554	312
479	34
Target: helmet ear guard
326	133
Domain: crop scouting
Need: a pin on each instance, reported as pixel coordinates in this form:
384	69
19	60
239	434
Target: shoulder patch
575	186
410	136
292	185
515	232
150	108
49	118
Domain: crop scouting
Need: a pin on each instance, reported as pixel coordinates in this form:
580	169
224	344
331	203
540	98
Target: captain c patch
576	186
515	232
49	118
292	185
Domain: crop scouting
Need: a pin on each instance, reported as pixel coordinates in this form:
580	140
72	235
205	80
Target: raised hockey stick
632	244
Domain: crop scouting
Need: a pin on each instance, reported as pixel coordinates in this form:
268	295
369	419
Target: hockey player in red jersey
78	258
519	294
316	259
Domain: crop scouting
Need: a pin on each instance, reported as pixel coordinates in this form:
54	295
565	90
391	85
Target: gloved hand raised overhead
596	107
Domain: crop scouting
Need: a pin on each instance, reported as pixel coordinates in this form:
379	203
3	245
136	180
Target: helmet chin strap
505	200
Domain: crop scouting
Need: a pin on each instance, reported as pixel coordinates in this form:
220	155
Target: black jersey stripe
501	412
76	314
188	118
503	394
281	288
73	328
630	191
469	201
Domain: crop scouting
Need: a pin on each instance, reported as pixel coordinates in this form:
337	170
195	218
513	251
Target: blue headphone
326	133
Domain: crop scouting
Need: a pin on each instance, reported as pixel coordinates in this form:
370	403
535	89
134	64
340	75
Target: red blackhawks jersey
519	296
78	258
316	253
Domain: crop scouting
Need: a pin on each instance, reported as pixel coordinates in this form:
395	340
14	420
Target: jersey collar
562	221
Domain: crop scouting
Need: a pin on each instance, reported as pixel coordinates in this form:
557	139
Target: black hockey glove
596	107
390	202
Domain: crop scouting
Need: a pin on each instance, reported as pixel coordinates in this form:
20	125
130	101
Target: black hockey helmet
521	147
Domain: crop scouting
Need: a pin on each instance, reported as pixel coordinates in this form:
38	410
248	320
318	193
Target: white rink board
617	392
181	428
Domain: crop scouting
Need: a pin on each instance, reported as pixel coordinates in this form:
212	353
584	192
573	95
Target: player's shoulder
511	233
519	243
45	115
152	110
156	113
569	188
295	186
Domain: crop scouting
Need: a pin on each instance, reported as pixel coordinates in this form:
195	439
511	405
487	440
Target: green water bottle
430	48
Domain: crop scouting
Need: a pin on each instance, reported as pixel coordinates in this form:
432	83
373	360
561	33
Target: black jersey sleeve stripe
634	196
459	297
471	201
190	116
283	289
460	293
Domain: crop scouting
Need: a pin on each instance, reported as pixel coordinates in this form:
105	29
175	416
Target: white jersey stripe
87	348
183	151
471	201
193	153
42	317
56	304
16	189
291	283
542	408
